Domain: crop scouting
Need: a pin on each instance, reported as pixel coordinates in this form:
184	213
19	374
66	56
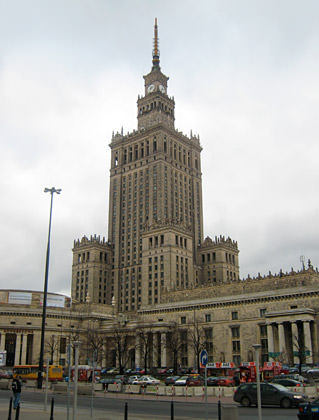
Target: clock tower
155	107
155	203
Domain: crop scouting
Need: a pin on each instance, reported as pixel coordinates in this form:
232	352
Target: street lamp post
45	292
256	348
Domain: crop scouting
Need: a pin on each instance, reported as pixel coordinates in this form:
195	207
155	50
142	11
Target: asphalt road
149	408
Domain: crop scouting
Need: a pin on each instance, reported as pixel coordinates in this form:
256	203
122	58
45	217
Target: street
112	406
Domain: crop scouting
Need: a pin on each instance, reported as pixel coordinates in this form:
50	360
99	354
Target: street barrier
132	389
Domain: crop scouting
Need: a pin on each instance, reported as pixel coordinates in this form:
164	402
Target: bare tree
175	343
300	349
51	347
93	344
199	341
121	341
145	340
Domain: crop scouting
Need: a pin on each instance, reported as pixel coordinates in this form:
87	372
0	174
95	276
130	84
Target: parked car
122	378
170	380
6	374
113	371
184	371
294	376
147	380
313	371
271	394
132	378
309	410
287	382
212	381
226	381
181	381
194	380
107	381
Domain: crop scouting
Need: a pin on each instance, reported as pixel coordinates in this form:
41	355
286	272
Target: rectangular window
235	332
207	317
236	346
234	315
62	345
183	319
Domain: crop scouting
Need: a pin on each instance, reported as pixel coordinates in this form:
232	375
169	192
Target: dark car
194	380
271	394
309	410
288	382
122	378
170	380
294	376
107	381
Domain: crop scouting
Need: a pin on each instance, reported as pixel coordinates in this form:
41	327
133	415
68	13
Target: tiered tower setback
155	226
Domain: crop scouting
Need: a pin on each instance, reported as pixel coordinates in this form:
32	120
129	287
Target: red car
225	381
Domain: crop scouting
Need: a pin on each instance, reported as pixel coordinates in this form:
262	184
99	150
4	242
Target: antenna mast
156	50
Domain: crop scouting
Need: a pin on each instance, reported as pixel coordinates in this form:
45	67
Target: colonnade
159	351
287	339
16	344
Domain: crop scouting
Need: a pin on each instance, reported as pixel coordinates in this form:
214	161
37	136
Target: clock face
150	88
161	88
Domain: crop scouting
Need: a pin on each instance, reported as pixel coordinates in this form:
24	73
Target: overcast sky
244	75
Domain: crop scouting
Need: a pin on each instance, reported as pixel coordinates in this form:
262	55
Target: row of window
234	317
211	257
146	148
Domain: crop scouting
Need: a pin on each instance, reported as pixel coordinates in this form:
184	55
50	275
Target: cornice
257	297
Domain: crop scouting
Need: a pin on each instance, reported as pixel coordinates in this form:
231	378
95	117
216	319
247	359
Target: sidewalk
33	411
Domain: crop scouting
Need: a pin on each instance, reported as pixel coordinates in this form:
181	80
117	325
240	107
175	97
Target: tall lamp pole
257	348
44	309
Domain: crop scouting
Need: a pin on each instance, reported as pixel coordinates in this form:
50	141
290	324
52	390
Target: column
17	350
281	336
155	350
2	341
24	339
270	338
137	352
294	337
308	344
163	350
105	361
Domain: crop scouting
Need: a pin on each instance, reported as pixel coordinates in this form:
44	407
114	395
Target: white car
146	380
181	381
132	379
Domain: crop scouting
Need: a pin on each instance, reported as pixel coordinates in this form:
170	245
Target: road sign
204	357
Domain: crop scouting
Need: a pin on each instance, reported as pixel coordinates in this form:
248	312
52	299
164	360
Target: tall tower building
155	213
155	233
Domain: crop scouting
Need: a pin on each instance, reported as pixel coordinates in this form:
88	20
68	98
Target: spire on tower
156	50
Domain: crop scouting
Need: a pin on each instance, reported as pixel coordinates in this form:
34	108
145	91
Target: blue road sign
204	357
